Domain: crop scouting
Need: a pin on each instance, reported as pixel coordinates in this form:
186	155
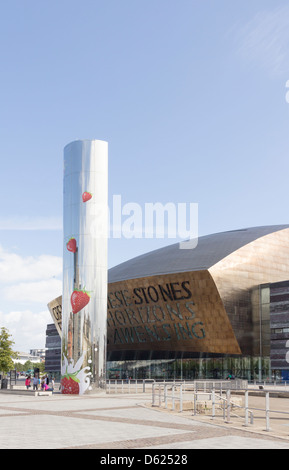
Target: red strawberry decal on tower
71	245
86	196
79	299
70	384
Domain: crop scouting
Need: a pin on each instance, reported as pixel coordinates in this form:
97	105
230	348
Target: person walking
28	382
35	383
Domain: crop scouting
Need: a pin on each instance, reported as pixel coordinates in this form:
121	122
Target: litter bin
4	383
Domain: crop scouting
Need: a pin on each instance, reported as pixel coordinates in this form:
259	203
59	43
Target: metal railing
157	395
177	392
270	383
127	385
268	410
228	406
221	385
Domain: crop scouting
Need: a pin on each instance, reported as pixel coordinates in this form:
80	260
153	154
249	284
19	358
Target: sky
192	97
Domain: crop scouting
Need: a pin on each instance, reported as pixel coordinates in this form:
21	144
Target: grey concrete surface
119	421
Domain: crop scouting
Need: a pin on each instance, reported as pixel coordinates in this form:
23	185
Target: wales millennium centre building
220	308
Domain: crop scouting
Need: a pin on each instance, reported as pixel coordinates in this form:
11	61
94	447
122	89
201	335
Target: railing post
246	408
195	403
153	394
173	397
228	395
181	398
267	412
160	398
213	402
166	395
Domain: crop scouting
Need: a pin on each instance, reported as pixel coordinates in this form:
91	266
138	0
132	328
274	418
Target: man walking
35	383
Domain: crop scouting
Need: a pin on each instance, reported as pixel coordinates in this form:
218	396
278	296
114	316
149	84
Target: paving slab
228	442
124	421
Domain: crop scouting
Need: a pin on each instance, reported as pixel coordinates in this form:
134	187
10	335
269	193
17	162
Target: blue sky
191	97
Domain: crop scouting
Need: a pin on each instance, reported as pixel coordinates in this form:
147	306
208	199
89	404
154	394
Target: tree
27	365
18	366
41	366
6	353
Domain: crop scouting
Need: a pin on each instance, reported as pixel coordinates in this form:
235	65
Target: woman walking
28	382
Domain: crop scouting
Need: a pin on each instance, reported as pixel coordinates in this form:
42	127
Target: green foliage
33	365
6	352
27	365
41	366
18	366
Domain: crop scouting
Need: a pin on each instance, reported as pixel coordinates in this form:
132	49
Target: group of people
36	382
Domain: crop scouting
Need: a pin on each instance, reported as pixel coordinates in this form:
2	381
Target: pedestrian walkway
119	421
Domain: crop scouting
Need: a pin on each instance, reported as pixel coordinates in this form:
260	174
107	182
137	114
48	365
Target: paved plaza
120	421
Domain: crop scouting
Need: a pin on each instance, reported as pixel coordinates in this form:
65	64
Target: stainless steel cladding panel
84	306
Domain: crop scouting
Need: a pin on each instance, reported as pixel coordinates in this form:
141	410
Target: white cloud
27	328
14	267
40	291
265	39
12	317
30	223
28	283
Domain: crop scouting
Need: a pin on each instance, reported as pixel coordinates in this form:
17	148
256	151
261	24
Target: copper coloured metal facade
84	267
201	303
181	312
